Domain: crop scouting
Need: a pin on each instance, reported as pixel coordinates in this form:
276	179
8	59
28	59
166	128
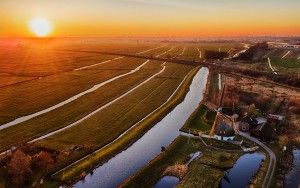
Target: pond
242	172
167	182
128	162
292	179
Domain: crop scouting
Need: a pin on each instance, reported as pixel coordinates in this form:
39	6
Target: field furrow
17	100
75	110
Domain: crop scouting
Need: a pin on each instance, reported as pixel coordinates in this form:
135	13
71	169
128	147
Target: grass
222	145
2	182
26	98
289	63
201	176
201	120
213	88
75	110
88	163
200	172
123	113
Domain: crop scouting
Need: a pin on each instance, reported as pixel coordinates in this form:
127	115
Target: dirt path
271	67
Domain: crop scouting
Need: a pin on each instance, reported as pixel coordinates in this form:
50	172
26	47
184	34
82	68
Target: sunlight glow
40	27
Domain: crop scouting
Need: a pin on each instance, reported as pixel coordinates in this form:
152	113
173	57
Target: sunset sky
152	17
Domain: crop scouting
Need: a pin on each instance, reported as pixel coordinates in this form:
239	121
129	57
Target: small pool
292	178
243	170
167	182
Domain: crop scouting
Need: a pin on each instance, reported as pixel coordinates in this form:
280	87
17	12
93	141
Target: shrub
19	168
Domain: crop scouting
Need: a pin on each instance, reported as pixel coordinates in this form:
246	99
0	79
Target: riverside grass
203	172
71	172
200	120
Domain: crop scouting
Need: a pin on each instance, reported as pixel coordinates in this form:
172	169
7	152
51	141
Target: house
224	132
276	117
248	123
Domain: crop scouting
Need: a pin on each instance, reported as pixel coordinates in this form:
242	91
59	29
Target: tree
252	110
43	160
19	168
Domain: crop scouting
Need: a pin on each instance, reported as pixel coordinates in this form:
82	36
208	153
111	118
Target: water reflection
292	179
167	182
129	161
243	171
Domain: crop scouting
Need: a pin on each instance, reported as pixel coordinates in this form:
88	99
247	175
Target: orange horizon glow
162	18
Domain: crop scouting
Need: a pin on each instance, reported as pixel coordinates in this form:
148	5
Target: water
243	170
129	161
292	179
167	182
194	156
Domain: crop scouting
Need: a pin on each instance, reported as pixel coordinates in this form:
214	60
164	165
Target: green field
201	120
199	172
289	63
122	114
26	98
74	110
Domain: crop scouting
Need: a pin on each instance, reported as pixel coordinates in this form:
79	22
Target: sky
184	18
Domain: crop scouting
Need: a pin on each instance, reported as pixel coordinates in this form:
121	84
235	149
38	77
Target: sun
40	27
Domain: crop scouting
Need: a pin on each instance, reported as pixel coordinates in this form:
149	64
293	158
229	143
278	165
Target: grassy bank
71	172
212	89
201	120
203	172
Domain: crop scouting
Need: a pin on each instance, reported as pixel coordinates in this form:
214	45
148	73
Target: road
165	52
272	163
271	67
246	47
151	49
200	53
287	53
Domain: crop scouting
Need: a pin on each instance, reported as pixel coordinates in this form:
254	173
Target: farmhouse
224	132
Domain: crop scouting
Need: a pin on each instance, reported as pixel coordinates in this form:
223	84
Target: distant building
276	117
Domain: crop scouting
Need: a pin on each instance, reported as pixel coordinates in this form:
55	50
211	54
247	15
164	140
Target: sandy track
151	49
101	63
271	67
200	53
286	54
165	52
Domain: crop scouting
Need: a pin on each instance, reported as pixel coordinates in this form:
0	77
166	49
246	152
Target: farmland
122	114
53	92
86	100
